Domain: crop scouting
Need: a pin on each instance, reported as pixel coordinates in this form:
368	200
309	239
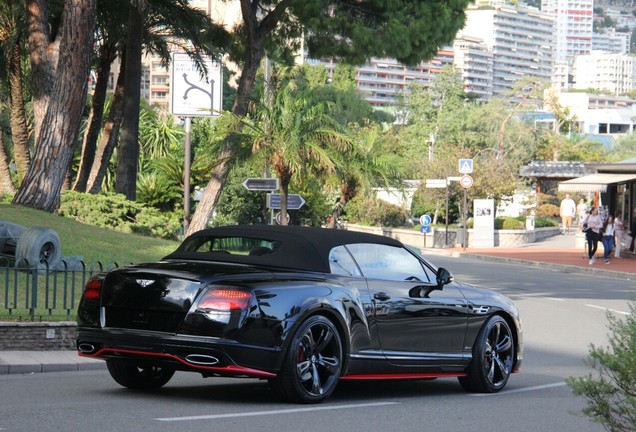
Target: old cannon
38	247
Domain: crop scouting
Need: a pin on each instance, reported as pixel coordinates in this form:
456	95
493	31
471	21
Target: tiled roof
555	169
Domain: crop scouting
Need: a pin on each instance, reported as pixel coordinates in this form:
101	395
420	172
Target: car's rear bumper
209	356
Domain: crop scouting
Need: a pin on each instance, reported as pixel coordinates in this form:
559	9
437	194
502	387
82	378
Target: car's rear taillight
218	304
93	289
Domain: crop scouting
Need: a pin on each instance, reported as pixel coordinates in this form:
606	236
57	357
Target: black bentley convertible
301	307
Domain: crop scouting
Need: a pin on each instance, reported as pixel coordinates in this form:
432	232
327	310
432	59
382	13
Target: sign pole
447	182
465	227
186	177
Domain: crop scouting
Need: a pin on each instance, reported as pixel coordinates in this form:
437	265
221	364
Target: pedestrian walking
608	238
581	211
632	230
619	231
567	211
592	226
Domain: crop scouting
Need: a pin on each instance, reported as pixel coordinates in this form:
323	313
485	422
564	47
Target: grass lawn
58	295
91	243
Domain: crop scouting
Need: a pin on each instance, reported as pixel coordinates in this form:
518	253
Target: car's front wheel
138	377
493	357
313	362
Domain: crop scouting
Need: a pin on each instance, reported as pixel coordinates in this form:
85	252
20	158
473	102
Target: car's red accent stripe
229	369
414	375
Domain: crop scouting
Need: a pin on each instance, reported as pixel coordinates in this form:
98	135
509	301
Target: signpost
294	201
192	95
261	184
466	181
425	221
436	183
465	166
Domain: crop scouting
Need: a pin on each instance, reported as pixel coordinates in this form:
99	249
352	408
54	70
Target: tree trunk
108	53
6	185
42	185
110	135
212	191
43	56
19	128
128	158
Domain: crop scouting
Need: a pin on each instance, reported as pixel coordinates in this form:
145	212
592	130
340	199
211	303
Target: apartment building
611	41
383	81
474	62
609	72
574	21
521	40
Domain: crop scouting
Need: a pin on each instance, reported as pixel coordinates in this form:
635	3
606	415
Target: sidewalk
559	252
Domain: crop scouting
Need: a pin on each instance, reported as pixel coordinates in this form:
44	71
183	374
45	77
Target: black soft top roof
301	248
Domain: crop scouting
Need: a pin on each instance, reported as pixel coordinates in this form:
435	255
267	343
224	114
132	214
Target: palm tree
367	163
12	31
294	135
167	25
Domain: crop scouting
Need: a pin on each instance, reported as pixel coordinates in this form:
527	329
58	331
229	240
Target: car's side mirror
443	277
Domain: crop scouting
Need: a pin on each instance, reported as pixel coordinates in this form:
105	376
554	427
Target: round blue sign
425	220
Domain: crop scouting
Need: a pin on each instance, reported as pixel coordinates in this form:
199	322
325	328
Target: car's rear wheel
493	357
138	377
313	362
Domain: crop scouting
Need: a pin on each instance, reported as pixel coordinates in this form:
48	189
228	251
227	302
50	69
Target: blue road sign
465	166
425	220
425	229
294	201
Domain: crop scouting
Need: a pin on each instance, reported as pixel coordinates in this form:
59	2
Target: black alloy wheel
313	362
493	357
138	377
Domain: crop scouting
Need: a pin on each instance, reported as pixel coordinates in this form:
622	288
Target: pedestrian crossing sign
465	166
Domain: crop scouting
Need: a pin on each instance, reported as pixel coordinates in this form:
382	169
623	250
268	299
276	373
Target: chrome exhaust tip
86	348
202	359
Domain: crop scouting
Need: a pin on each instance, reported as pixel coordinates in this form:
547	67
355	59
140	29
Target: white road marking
521	390
556	299
274	412
607	309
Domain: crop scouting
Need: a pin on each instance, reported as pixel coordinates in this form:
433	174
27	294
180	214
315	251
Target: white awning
594	182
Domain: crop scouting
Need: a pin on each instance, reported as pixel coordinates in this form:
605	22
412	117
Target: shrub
510	223
113	211
542	222
611	392
375	212
548	210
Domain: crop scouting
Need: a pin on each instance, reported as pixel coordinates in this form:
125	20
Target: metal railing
39	293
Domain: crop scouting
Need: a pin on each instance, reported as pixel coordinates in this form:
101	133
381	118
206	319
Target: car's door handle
381	296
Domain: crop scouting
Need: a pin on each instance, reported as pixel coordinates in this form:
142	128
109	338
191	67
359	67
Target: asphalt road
562	314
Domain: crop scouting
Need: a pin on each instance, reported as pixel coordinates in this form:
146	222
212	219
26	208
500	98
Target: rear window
230	245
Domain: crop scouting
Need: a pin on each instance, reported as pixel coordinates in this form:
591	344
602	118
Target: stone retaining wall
37	336
437	237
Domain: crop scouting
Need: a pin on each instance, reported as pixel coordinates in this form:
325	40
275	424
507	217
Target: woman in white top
619	230
594	224
608	239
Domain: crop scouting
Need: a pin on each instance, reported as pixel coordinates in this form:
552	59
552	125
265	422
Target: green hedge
113	211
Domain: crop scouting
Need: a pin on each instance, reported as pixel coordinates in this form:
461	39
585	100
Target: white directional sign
465	166
294	201
435	183
192	95
261	184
